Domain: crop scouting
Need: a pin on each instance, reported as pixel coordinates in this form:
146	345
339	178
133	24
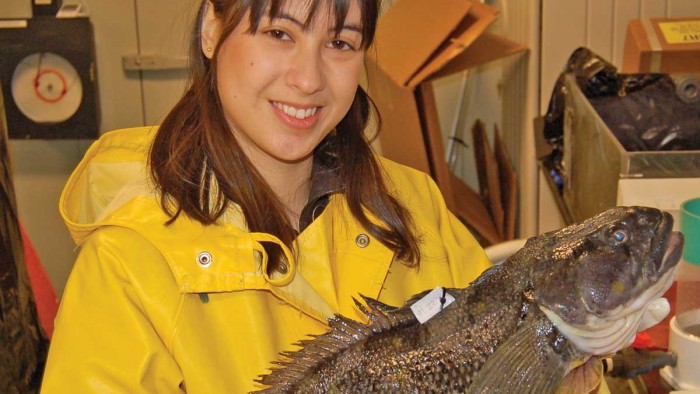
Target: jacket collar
339	260
325	181
111	187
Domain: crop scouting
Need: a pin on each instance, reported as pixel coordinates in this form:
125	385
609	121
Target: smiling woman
283	89
255	211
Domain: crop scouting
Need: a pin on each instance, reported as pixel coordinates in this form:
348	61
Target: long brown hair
200	168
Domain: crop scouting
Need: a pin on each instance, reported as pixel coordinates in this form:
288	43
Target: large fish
522	326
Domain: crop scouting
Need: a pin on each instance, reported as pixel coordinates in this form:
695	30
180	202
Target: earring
208	49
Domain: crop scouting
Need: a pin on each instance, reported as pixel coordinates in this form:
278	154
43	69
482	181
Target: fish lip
669	246
674	247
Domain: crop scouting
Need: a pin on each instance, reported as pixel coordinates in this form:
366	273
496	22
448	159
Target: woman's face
284	88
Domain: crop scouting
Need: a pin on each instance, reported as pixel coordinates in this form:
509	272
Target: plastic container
684	333
688	275
595	161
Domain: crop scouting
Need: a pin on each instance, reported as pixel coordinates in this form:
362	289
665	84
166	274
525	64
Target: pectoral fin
583	379
524	363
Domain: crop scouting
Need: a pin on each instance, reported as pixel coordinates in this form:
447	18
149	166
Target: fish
566	298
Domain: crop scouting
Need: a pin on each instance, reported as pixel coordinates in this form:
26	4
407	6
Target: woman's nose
305	72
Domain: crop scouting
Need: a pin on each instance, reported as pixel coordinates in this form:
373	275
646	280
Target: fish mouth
601	335
667	247
672	247
608	334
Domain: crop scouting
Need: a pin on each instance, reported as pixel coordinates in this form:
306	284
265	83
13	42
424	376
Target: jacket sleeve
104	340
450	255
465	255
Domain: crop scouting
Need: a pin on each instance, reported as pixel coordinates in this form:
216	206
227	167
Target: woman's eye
277	34
340	45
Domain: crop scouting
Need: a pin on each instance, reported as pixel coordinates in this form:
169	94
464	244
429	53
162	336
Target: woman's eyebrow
289	18
350	26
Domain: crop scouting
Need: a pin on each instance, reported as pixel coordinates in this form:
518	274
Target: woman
252	214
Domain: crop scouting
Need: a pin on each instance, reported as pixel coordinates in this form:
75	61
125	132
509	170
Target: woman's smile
296	116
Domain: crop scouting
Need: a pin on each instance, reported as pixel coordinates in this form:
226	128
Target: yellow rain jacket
189	308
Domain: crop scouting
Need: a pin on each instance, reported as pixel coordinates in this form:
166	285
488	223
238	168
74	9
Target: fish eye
618	235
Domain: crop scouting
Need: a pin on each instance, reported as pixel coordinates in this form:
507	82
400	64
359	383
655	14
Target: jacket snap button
362	240
204	259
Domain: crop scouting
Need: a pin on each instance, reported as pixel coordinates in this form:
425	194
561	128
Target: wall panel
164	28
680	8
623	11
600	26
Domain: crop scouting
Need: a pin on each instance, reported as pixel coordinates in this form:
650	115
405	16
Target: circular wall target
48	79
46	88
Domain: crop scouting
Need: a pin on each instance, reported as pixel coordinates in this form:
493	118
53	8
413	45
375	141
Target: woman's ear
209	31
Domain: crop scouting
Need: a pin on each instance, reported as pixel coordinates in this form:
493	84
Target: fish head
595	280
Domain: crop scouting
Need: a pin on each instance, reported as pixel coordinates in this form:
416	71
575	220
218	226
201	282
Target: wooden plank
433	141
472	211
487	170
509	185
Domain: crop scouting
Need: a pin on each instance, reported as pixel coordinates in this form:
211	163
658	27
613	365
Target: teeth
298	113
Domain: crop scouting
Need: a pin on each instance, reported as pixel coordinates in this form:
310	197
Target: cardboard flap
485	49
401	137
408	33
472	26
415	38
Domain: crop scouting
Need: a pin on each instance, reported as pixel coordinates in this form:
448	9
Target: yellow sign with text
686	32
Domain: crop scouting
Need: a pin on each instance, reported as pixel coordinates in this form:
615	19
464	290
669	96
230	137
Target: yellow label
687	32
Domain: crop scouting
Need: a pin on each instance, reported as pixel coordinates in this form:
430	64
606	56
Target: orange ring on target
38	93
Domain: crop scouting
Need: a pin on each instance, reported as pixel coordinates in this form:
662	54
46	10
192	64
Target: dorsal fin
375	305
343	333
416	297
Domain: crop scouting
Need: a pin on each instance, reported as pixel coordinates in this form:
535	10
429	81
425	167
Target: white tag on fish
430	305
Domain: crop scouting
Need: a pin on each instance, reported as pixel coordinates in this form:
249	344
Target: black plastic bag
649	113
645	112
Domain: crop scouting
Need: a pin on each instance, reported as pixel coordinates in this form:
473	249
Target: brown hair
199	167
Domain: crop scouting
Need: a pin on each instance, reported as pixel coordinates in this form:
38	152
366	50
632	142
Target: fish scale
499	333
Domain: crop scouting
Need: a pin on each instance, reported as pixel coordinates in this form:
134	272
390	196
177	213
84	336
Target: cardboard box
418	41
663	45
